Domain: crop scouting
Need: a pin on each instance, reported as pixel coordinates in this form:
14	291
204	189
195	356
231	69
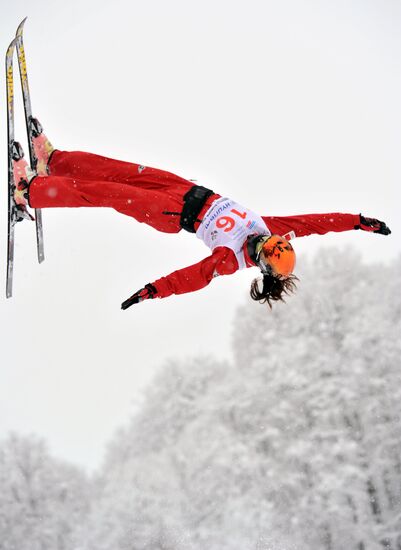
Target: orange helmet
276	254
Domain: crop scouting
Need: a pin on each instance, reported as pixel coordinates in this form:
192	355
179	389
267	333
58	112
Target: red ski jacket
223	261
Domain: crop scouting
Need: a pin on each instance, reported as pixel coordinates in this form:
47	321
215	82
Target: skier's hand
373	225
144	294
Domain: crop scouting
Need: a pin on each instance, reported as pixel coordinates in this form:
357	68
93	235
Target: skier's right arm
189	279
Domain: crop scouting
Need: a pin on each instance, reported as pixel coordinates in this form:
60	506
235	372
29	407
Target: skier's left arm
189	279
320	224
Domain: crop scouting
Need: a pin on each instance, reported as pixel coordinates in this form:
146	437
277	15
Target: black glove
146	293
373	225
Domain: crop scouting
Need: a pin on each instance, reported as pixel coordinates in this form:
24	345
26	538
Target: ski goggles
264	267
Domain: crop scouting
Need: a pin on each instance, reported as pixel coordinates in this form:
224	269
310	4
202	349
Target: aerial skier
238	237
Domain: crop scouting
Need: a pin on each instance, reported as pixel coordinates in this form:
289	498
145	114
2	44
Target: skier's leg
88	166
78	179
157	207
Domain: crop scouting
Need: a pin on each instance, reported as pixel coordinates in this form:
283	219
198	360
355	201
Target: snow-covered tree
43	501
330	365
143	492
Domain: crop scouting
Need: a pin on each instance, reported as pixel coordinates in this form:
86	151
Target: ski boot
22	177
42	147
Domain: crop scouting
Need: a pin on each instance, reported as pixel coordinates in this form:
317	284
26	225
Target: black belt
194	201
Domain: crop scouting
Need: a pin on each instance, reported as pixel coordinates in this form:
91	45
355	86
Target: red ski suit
155	197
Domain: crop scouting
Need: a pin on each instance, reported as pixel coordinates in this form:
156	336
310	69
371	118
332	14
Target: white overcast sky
287	107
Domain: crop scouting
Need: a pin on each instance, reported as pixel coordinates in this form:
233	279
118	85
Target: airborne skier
237	237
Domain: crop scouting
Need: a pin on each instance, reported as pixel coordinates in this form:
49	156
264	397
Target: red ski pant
77	179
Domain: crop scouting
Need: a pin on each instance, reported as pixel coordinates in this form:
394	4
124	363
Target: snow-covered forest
294	444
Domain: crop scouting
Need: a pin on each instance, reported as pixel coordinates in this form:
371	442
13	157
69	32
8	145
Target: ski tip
11	46
21	27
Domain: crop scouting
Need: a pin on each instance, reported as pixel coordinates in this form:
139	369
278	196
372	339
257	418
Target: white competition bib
227	223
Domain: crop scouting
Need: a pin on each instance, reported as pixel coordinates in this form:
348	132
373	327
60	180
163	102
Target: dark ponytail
273	288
